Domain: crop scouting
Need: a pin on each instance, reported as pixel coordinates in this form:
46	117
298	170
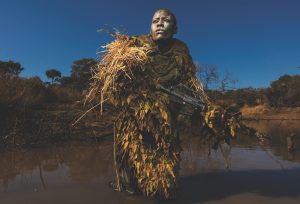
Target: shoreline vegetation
265	112
35	113
37	126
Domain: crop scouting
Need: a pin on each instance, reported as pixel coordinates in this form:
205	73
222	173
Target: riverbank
23	127
264	112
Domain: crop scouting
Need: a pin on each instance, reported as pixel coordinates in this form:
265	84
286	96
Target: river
79	172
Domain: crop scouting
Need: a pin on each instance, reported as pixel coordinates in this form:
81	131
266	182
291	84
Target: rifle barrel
185	98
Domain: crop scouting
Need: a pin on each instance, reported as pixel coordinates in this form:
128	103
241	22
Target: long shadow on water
219	185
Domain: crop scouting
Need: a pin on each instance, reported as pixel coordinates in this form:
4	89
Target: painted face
163	25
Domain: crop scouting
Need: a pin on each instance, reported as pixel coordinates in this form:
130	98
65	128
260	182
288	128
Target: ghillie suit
146	137
147	148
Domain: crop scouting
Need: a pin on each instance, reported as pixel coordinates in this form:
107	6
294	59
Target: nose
160	23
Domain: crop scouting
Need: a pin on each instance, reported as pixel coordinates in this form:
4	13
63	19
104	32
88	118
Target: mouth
159	31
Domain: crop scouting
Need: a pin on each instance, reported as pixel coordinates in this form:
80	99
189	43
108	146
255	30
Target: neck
164	45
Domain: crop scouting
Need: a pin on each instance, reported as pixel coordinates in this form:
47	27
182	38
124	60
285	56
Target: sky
256	41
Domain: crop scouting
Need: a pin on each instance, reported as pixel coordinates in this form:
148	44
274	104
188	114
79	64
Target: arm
189	76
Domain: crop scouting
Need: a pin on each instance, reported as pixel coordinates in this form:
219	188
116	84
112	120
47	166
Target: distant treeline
33	91
283	92
33	111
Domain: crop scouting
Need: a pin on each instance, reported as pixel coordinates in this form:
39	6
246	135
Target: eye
155	21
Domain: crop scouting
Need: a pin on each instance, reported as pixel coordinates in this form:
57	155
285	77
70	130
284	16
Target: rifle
181	96
226	129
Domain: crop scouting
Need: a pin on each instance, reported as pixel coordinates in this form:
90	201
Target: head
163	25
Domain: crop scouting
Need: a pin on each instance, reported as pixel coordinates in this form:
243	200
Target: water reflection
79	172
279	131
79	162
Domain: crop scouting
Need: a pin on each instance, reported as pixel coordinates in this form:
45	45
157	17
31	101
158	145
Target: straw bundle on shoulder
120	57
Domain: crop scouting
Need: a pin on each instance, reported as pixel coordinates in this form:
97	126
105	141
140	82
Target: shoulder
142	39
180	46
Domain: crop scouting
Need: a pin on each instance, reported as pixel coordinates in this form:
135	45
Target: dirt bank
33	126
264	112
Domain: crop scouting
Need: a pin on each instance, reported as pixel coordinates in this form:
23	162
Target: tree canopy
285	91
53	74
10	68
81	72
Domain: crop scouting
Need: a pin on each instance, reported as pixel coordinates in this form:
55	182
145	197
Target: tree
66	81
53	74
227	82
208	74
10	68
81	72
285	91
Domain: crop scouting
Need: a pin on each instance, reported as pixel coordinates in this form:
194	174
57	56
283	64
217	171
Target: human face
163	25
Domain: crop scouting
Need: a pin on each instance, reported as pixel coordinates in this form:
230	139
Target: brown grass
264	111
256	110
118	58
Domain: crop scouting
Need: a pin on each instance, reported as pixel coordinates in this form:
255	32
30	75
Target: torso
166	63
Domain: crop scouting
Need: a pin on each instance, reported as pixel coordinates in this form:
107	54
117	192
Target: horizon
256	42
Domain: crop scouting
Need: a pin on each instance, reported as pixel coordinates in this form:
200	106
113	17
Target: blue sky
255	40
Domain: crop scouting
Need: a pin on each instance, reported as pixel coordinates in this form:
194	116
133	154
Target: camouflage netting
146	137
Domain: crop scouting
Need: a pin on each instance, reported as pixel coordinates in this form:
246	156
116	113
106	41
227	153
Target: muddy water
80	172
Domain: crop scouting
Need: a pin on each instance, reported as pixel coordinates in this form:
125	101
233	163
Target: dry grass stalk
119	58
194	82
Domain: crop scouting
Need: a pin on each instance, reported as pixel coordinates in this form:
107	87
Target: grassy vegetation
34	112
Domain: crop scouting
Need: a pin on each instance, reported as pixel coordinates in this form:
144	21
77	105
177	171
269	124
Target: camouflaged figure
147	143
